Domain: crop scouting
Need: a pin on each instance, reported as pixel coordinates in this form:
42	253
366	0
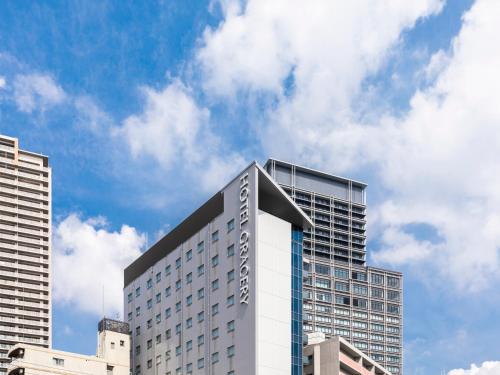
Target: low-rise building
337	356
113	355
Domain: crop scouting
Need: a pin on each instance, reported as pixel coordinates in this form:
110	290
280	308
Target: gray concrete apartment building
25	251
221	293
341	294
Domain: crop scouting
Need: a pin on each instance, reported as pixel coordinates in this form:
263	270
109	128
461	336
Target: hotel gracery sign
244	239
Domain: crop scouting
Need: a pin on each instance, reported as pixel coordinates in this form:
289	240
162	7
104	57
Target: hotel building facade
342	296
25	248
221	293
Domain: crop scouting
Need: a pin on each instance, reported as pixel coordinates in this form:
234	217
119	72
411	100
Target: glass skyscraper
341	294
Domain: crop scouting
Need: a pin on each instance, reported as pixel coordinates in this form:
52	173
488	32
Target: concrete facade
25	248
337	356
216	295
341	294
113	356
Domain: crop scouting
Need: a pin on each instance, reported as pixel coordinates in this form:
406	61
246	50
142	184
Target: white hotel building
221	293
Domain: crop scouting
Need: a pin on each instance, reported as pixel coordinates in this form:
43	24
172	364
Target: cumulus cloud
88	263
176	133
438	162
442	161
36	92
487	368
3	82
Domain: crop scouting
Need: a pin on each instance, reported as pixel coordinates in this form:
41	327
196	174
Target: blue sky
146	108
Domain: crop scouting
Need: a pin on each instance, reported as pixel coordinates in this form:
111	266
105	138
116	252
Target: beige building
25	250
113	356
337	356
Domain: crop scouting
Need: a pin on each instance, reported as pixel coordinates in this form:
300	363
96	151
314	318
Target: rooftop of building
315	172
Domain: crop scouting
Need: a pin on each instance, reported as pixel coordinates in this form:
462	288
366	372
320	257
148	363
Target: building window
215	284
377	279
215	357
377	306
149	324
215	309
168	333
201	293
230	276
150	363
201	363
158	339
189	300
392	309
215	236
360	289
58	361
178	307
230	351
201	340
341	273
138	292
130	316
178	284
392	282
201	247
137	330
129	297
158	298
201	316
215	333
230	326
323	283
215	260
189	322
178	329
189	345
167	270
341	287
189	255
168	313
178	263
158	277
360	276
230	225
360	302
178	350
158	318
149	284
149	344
137	350
168	291
377	293
230	251
322	269
392	295
137	311
189	278
149	304
201	270
230	301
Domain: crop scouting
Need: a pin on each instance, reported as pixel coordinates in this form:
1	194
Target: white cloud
438	163
175	132
3	82
36	91
487	368
88	259
442	161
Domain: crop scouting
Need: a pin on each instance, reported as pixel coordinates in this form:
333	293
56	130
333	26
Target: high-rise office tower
25	228
342	295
